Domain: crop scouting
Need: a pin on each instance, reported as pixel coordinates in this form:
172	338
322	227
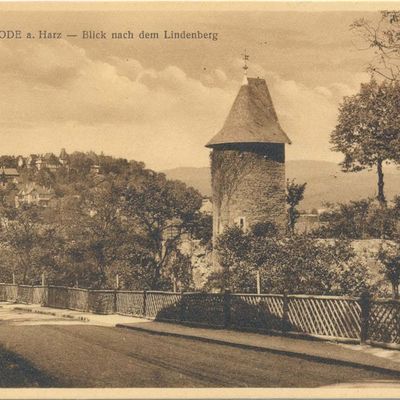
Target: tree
345	220
368	130
8	161
303	267
179	269
163	211
53	159
201	229
294	194
81	163
383	38
127	220
264	249
96	233
245	257
32	245
233	247
45	178
361	219
298	264
389	256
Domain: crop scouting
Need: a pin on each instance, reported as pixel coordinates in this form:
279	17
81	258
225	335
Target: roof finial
245	67
245	59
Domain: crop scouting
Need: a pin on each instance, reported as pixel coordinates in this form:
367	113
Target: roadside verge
386	361
319	351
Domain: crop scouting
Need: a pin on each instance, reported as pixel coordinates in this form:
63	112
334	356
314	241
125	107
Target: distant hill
325	181
199	178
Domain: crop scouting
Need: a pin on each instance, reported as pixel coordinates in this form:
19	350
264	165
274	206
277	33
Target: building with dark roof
248	162
35	194
49	161
8	175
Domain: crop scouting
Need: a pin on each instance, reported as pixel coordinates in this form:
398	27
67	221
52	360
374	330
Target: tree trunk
156	277
25	274
103	277
102	272
381	194
161	257
395	290
225	278
291	220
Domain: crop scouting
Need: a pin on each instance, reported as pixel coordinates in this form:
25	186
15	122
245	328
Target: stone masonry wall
248	181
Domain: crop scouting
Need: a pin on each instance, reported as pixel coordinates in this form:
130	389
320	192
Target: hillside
325	181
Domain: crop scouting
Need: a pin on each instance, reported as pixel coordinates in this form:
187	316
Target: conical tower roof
252	118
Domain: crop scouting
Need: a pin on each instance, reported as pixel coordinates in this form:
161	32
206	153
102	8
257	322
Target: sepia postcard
199	200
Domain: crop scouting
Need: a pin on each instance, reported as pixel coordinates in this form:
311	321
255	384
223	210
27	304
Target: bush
297	264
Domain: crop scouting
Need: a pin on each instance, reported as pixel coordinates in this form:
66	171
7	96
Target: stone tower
248	162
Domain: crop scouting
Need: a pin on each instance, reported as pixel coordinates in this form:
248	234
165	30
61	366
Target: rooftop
252	118
9	171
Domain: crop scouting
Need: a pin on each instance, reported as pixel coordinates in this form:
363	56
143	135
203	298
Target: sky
160	101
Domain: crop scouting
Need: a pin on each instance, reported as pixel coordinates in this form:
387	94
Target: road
62	353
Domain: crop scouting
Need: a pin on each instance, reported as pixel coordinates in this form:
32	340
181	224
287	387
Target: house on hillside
206	206
34	194
8	175
30	161
95	169
49	161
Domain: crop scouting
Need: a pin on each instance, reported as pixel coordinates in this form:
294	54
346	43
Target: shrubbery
127	220
296	264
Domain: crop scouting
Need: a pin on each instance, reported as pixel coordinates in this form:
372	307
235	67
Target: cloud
127	67
308	114
50	65
63	83
58	96
68	98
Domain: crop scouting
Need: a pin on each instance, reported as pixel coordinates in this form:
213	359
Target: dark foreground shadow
16	372
203	309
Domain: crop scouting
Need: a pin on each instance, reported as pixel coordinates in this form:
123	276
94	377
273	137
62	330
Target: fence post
13	278
258	277
18	298
115	301
182	308
30	297
45	296
365	303
285	313
227	308
144	302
